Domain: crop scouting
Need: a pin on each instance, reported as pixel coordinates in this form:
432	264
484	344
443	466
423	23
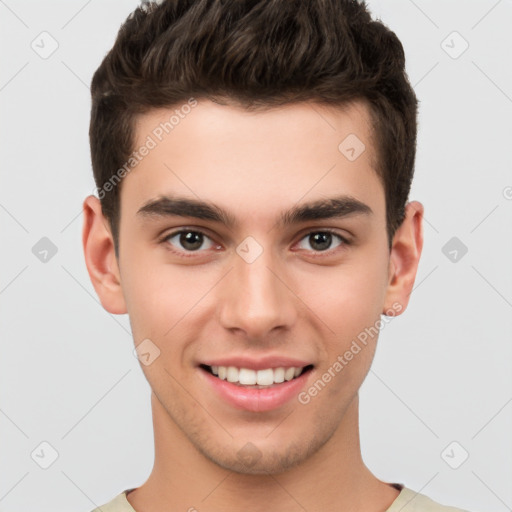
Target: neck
333	478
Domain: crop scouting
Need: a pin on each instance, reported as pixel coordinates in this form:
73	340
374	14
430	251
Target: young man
253	161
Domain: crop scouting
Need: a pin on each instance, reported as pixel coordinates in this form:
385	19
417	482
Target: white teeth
264	377
278	375
232	374
248	377
289	373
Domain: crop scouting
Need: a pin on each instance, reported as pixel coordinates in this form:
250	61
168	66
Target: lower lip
253	399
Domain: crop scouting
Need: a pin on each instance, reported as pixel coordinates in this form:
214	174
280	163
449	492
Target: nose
257	300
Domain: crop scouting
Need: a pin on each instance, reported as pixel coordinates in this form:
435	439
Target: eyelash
190	254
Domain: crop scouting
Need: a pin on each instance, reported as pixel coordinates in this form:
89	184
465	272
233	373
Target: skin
294	299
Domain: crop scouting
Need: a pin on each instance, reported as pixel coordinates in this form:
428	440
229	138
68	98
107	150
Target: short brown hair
257	54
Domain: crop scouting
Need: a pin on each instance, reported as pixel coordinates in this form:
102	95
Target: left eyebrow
330	208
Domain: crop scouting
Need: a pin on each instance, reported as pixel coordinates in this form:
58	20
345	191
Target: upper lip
260	363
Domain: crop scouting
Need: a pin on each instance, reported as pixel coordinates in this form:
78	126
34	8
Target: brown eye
187	240
320	241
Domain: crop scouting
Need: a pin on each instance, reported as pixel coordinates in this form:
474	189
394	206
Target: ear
404	259
100	257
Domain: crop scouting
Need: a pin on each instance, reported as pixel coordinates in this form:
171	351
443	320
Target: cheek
347	297
162	299
148	296
349	301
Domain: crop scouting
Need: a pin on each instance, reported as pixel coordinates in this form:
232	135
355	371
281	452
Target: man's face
258	288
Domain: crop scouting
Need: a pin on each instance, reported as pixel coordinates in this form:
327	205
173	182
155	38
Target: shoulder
412	501
117	504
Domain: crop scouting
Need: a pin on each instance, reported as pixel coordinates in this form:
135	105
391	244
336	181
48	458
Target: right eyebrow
184	207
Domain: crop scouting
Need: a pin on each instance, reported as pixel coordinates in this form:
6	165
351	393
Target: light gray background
443	370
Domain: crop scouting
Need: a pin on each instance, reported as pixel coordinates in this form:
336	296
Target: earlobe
404	258
100	257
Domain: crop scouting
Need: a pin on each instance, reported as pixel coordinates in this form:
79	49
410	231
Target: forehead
254	163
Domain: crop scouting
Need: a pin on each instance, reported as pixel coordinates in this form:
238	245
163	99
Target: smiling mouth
260	379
